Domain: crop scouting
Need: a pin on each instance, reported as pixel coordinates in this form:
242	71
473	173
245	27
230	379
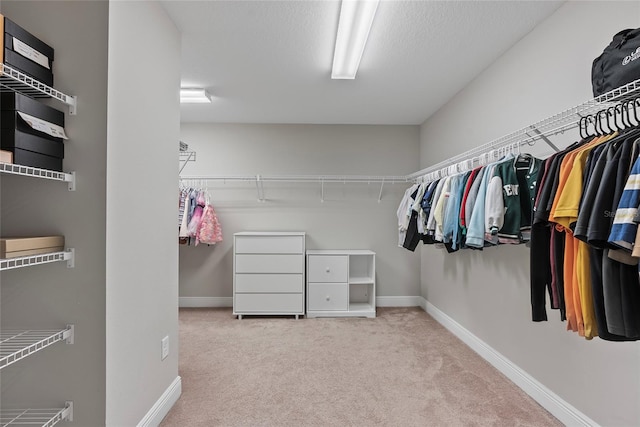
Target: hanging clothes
590	275
452	211
198	222
578	211
210	231
404	214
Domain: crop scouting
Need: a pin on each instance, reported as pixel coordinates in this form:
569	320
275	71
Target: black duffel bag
619	63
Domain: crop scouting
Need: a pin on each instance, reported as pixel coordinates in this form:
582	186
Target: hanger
620	117
599	130
630	108
611	114
636	105
582	127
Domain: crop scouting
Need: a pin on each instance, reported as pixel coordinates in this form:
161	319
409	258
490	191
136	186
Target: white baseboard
399	301
205	302
162	406
228	302
553	403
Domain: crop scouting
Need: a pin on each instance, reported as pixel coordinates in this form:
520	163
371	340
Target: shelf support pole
544	138
380	194
189	158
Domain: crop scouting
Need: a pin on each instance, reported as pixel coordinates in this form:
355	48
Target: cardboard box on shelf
12	247
6	156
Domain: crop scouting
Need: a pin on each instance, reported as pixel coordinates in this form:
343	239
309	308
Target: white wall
51	295
142	254
488	292
350	217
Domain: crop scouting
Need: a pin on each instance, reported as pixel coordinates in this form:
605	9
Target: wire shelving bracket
186	157
17	81
28	261
18	345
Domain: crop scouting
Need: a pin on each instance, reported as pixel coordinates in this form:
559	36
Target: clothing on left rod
197	219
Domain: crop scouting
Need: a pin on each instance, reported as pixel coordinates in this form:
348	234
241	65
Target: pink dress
210	231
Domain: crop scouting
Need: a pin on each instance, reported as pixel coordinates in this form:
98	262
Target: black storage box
36	160
13	138
21	62
12	102
13	120
30	147
28	67
24	36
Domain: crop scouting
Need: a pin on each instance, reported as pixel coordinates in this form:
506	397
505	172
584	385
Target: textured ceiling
270	61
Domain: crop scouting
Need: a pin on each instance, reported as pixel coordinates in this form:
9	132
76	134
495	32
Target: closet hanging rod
301	178
558	123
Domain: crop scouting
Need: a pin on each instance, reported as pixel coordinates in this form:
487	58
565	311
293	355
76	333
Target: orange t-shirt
572	322
565	205
583	276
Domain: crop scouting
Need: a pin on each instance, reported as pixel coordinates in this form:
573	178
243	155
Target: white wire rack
319	179
300	178
16	81
36	417
17	345
13	169
541	130
28	261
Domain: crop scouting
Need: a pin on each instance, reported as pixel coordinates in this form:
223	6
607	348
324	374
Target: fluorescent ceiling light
194	96
356	17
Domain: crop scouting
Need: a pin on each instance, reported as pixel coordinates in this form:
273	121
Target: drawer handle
328	270
328	298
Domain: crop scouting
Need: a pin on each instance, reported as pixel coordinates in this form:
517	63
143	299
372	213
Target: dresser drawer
269	264
269	303
328	296
327	268
269	244
272	283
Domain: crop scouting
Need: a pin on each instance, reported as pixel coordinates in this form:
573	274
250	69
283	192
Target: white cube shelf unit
341	283
268	273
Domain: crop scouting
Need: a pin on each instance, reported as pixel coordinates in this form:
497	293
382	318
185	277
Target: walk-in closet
215	213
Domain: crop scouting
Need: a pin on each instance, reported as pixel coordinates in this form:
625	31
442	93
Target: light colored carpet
399	369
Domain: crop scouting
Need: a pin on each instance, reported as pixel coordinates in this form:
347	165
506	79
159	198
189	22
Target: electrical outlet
165	347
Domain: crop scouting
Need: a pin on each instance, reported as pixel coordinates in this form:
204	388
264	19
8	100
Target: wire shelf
17	345
16	81
36	417
13	169
28	261
558	123
301	178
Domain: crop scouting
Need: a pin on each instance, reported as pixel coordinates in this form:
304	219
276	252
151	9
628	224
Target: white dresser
268	273
341	283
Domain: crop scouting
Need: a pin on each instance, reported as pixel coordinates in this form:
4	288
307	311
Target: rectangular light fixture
356	17
194	96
